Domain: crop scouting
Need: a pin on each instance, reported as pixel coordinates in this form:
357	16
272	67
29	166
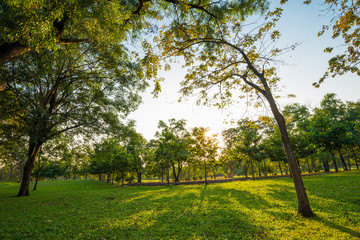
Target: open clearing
262	209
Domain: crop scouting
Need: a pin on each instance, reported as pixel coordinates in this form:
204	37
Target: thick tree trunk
9	51
303	202
214	173
343	160
334	162
29	165
1	174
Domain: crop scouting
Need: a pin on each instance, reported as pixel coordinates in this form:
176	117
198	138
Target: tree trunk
9	51
179	171
1	173
343	160
214	173
265	169
29	165
334	162
308	165
303	202
349	163
122	178
112	179
37	176
205	174
252	171
139	176
11	171
356	159
280	168
313	166
326	166
246	171
259	169
174	173
168	177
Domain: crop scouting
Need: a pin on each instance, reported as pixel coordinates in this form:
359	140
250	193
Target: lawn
262	209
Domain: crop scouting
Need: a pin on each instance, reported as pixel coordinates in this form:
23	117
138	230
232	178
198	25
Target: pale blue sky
300	23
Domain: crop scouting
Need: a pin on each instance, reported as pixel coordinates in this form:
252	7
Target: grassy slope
237	210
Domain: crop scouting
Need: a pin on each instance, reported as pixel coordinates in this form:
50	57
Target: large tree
237	60
86	87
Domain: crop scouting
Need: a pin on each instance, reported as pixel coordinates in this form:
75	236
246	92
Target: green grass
263	209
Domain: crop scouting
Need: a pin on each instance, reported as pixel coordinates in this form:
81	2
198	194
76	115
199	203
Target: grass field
262	209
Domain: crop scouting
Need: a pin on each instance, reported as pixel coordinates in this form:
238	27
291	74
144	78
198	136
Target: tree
344	24
227	56
31	25
83	88
248	143
136	148
173	145
205	148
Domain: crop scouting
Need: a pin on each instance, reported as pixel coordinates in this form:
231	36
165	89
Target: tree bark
176	176
343	160
303	202
37	176
334	162
29	165
9	51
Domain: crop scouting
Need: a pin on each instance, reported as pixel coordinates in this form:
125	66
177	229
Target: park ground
261	209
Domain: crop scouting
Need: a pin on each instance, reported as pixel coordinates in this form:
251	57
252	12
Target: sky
306	64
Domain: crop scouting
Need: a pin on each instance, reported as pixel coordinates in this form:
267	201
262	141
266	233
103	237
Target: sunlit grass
263	209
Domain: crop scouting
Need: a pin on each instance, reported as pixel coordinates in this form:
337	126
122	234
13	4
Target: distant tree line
326	139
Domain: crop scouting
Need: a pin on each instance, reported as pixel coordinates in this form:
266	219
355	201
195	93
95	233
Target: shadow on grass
340	228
